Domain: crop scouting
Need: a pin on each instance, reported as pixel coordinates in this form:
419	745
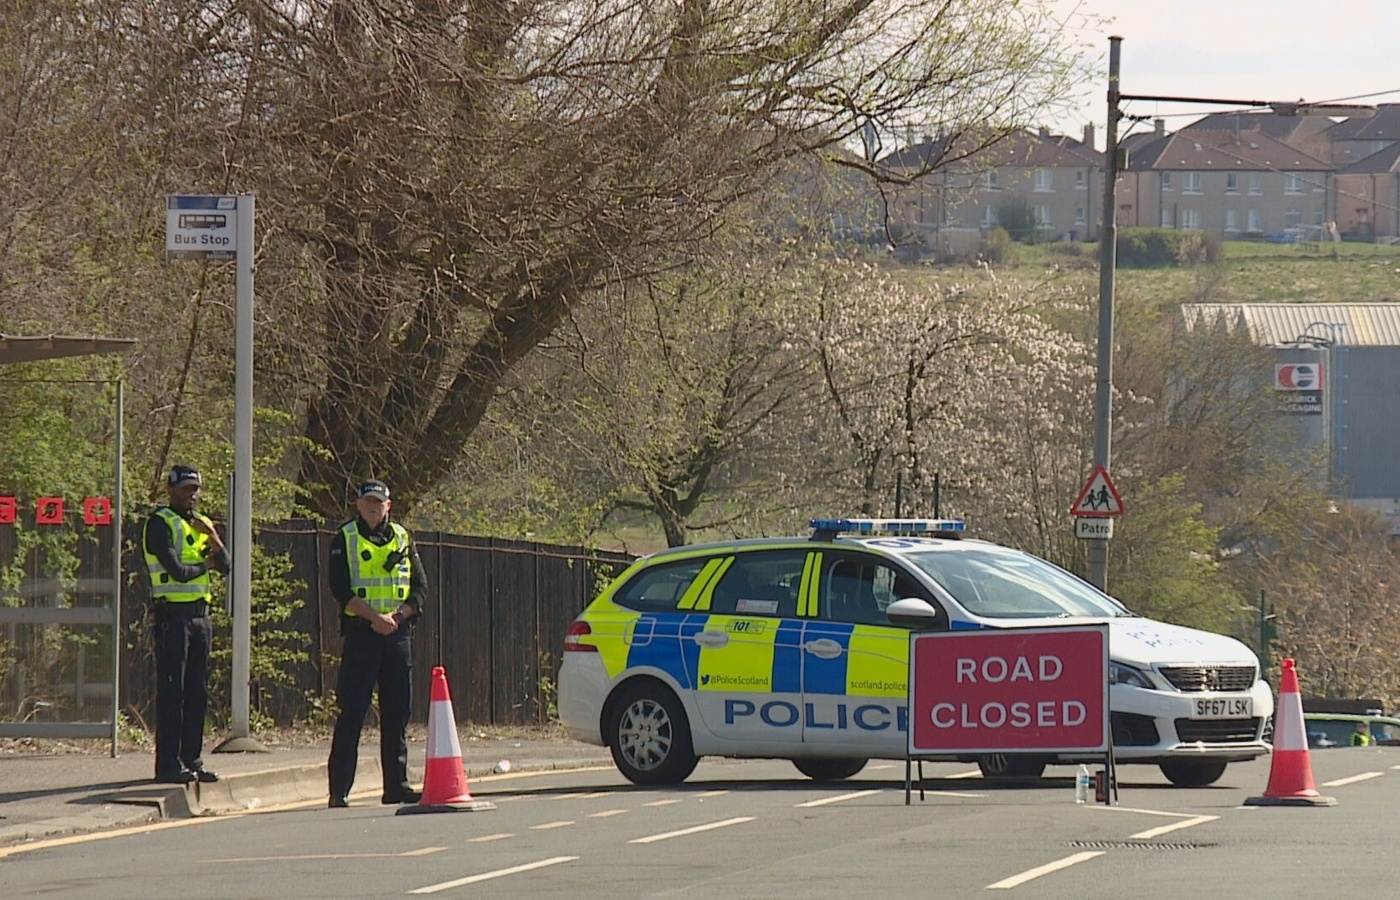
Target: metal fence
494	618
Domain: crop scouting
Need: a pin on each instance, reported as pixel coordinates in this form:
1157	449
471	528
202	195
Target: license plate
1222	708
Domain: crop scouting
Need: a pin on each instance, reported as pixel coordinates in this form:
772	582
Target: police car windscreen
1007	584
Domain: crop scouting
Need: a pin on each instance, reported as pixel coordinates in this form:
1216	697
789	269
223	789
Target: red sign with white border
1009	690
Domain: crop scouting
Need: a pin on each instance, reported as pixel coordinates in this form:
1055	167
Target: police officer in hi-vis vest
377	578
181	547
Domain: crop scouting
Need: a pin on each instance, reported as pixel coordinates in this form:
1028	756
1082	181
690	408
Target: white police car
782	648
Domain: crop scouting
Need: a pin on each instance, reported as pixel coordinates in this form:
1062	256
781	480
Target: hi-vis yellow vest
383	588
191	546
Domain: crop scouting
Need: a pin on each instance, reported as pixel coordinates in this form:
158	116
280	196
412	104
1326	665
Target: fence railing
494	618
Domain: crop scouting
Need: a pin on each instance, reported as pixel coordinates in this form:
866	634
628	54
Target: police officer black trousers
182	633
369	660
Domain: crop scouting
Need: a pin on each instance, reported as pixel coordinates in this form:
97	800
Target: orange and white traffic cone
444	778
1290	775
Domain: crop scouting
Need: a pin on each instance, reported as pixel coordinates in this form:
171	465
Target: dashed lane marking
651	839
1364	776
1038	871
487	876
856	795
1175	826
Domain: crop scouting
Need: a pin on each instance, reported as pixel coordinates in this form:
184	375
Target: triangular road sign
1099	499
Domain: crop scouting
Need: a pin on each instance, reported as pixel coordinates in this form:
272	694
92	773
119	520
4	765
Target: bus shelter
60	631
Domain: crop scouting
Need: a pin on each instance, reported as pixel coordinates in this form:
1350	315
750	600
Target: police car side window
858	589
659	588
762	583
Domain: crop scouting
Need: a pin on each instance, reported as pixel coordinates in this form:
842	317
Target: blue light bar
889	526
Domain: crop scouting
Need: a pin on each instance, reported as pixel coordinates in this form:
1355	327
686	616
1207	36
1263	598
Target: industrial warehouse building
1335	372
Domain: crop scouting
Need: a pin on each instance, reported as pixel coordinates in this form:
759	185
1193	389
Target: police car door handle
711	638
824	648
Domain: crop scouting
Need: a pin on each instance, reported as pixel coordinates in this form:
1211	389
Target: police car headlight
1118	673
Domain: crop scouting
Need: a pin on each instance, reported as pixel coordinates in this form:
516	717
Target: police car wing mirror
912	613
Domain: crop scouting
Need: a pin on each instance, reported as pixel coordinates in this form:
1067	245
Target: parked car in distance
1336	729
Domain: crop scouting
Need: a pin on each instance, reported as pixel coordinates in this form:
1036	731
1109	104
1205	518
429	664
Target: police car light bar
834	527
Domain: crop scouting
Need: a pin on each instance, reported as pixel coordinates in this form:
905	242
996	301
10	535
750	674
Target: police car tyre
1004	765
829	769
1193	772
650	737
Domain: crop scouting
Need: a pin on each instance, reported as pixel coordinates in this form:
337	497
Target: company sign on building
1299	388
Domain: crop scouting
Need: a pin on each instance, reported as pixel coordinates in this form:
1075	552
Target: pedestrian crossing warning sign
1099	499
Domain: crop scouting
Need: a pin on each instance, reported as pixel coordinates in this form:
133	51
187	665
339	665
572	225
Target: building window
989	180
1254	222
950	214
1166	181
1191	220
1232	220
1044	180
1190	182
989	217
1079	215
1079	179
1042	217
1232	183
1292	184
1168	220
1254	183
1292	218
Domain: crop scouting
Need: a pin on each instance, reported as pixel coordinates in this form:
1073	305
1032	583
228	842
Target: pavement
51	791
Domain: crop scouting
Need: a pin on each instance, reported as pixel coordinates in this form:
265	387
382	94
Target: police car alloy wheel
1008	765
650	738
829	769
1193	772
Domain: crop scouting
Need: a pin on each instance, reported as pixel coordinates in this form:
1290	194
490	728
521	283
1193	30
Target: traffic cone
444	779
1290	775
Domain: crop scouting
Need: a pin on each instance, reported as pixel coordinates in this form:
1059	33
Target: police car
797	648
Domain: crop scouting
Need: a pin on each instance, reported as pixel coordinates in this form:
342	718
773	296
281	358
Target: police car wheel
1006	765
1193	772
650	737
829	769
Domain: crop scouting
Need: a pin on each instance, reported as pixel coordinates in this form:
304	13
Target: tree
441	184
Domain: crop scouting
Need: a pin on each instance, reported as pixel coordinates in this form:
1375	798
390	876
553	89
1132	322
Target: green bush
998	247
1149	248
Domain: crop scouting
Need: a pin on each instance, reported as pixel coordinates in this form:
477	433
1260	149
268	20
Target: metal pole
117	573
241	526
1108	262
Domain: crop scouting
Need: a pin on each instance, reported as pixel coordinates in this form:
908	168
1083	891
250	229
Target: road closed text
1009	690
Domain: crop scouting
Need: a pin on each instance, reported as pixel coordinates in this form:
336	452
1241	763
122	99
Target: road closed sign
1013	690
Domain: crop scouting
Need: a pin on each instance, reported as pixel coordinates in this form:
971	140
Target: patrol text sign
1009	690
201	227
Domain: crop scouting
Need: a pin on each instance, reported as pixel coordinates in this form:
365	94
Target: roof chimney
1045	131
1159	127
1089	135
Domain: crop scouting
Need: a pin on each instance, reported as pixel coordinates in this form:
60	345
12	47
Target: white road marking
489	837
605	813
549	825
1175	826
661	803
1364	776
975	773
487	876
1057	865
1145	812
696	830
593	796
723	792
836	799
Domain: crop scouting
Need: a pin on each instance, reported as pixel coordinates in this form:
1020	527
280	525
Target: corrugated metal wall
494	618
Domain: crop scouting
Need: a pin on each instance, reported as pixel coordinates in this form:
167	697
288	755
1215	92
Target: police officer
181	547
1361	737
377	578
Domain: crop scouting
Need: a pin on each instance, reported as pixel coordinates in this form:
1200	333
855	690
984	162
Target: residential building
1048	183
1355	139
1233	185
1368	197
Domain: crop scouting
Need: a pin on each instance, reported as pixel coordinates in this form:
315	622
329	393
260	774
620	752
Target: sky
1235	49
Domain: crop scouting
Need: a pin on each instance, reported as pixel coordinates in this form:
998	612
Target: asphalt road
753	829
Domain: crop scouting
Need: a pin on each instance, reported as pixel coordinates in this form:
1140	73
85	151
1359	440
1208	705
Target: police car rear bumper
583	686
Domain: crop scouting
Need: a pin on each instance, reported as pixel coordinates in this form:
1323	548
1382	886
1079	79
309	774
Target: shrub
1148	248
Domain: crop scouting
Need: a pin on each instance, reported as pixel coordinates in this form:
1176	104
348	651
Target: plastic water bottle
1082	784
